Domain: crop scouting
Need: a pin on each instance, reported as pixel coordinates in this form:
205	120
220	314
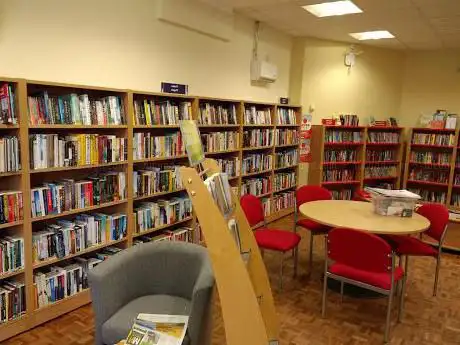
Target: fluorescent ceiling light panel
336	8
372	35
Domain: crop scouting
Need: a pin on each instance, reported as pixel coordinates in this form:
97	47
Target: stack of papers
394	193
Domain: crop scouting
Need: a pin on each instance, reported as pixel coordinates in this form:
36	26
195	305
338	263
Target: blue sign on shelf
180	89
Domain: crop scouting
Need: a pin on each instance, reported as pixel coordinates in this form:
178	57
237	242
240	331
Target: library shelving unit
136	140
431	164
347	158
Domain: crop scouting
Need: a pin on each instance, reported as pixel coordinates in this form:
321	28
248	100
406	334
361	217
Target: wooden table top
360	215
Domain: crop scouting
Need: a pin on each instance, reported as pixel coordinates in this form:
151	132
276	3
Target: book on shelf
380	155
286	136
433	139
286	158
339	175
230	166
217	114
220	141
10	159
12	300
345	155
258	137
69	237
161	112
11	207
153	180
283	200
284	180
256	186
8	114
430	157
430	195
342	136
11	254
68	194
55	150
148	145
349	120
182	234
267	206
219	188
286	116
429	175
342	194
151	215
74	109
255	116
256	162
383	137
380	171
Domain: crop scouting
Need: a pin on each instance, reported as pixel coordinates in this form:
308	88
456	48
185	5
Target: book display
91	171
348	157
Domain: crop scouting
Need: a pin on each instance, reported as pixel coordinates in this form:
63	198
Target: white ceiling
417	24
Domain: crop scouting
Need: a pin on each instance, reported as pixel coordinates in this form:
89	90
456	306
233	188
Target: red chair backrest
438	215
311	193
252	208
359	249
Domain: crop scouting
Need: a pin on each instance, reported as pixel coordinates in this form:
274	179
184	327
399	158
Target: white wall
120	43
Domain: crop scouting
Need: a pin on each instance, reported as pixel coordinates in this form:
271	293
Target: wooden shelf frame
22	179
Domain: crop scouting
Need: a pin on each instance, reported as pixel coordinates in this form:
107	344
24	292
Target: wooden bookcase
28	178
334	151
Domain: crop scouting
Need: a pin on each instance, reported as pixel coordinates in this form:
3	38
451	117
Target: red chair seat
275	239
408	245
313	226
377	279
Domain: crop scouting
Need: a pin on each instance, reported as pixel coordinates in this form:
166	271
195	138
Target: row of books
433	139
256	186
182	234
286	116
76	109
150	215
430	195
286	137
341	136
286	158
349	120
54	150
345	155
380	155
68	194
256	162
12	300
230	166
219	188
217	114
68	237
146	145
254	116
220	141
383	137
266	205
336	175
442	119
258	137
457	179
10	159
58	282
380	171
455	200
284	180
153	180
8	114
11	207
342	194
438	175
169	112
430	157
283	200
11	253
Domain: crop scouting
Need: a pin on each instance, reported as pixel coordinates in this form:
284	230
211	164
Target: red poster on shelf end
305	138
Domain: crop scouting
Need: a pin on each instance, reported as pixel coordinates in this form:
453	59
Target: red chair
365	260
272	239
306	194
361	195
406	246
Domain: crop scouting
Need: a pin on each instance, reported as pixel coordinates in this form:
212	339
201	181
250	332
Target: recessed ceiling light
372	35
336	8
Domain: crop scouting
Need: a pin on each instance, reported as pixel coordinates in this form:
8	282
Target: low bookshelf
98	163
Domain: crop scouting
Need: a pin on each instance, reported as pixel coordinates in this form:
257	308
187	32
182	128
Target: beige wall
121	43
431	81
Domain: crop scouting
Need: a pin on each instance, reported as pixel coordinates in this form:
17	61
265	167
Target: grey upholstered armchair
156	278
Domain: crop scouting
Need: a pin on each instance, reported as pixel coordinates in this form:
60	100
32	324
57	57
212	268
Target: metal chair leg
341	291
387	325
296	258
311	254
436	277
281	272
323	308
401	298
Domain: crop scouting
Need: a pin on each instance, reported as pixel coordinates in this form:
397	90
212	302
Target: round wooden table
360	215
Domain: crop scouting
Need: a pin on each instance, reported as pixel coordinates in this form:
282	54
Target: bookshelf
348	158
131	142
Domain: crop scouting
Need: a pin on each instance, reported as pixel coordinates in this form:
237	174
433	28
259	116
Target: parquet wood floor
427	321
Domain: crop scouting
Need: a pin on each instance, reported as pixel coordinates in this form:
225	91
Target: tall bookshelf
30	177
348	158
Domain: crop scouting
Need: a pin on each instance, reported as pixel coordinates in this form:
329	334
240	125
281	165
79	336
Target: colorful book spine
11	254
284	180
286	137
257	116
286	116
341	136
256	162
383	137
283	200
12	300
153	180
256	186
286	158
217	114
11	207
148	145
10	159
258	138
220	141
161	112
230	166
433	139
8	108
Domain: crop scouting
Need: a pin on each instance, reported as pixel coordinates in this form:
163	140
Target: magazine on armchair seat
158	329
